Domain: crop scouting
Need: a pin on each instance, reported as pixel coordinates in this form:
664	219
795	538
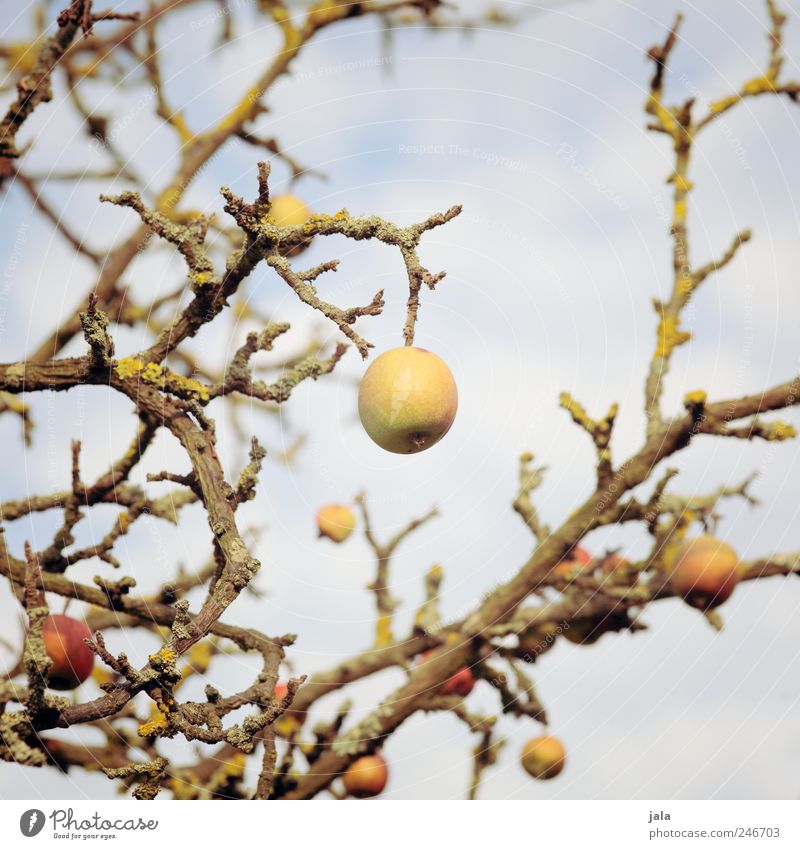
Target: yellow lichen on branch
670	336
162	378
576	410
322	219
383	631
778	431
128	367
665	118
157	723
724	103
163	655
695	398
760	85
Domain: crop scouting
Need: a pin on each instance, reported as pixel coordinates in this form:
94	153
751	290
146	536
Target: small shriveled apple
72	658
366	777
581	556
407	400
461	683
288	211
543	757
336	522
578	560
705	572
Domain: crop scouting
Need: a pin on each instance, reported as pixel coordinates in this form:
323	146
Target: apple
577	560
581	556
459	684
407	400
543	757
72	658
288	211
705	572
366	777
335	522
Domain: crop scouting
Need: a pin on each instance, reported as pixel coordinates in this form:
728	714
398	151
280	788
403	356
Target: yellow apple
407	400
543	757
336	522
288	211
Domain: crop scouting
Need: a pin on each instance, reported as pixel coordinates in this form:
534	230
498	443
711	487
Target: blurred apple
543	757
578	560
705	572
336	522
459	684
366	777
72	658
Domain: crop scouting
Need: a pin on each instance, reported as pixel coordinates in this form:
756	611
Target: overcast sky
551	269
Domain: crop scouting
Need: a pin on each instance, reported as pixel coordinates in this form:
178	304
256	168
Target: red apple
459	684
577	560
580	556
72	658
366	777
